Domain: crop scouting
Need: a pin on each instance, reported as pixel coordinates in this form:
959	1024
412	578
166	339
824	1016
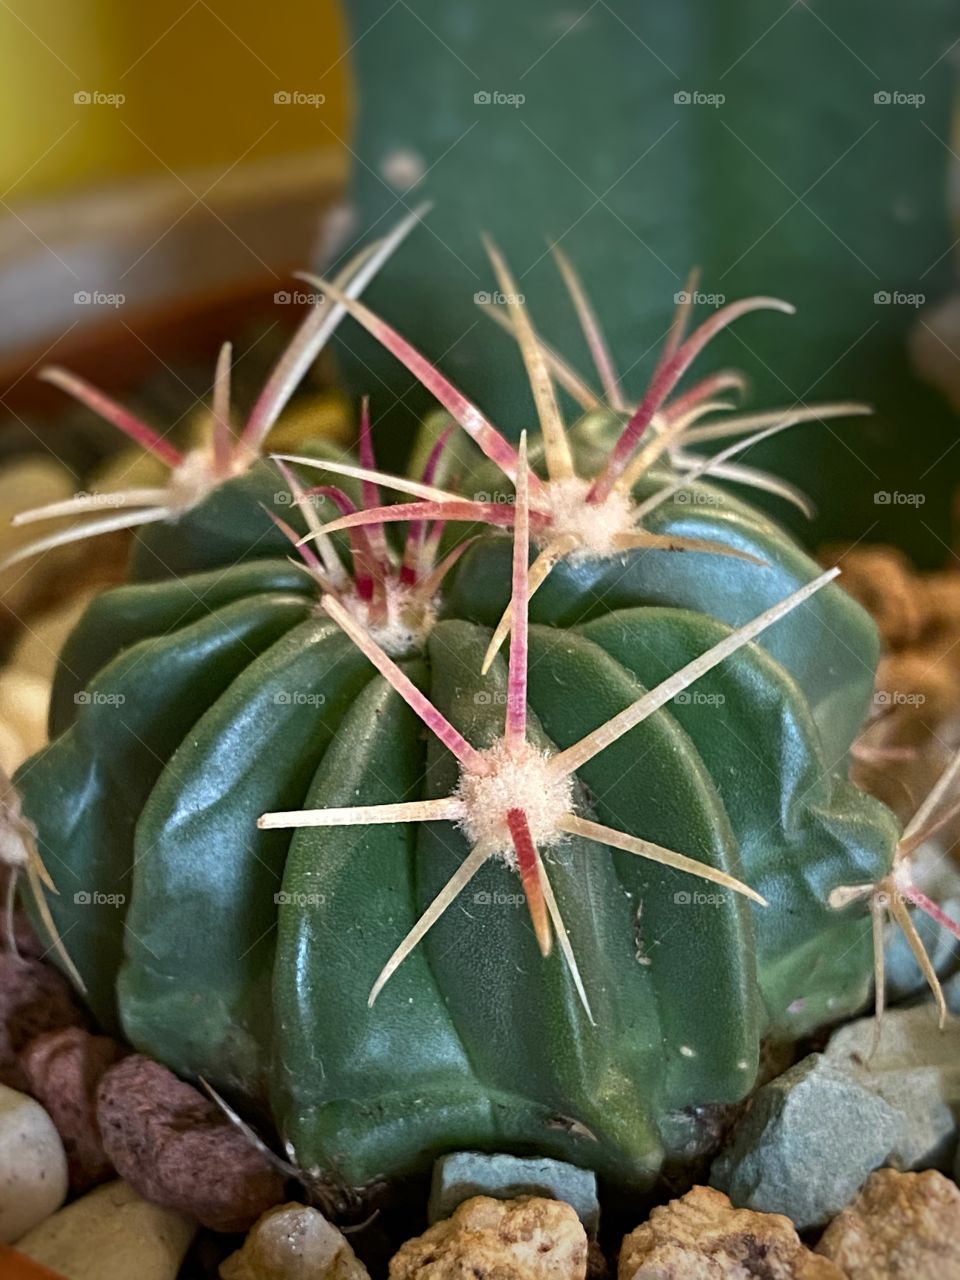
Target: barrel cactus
320	843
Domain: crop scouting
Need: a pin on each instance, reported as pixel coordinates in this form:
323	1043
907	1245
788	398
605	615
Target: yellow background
198	76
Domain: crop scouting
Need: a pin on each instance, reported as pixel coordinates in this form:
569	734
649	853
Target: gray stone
464	1174
913	1066
808	1144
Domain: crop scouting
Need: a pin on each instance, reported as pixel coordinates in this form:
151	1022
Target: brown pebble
34	998
883	580
63	1069
902	1226
703	1237
178	1150
524	1239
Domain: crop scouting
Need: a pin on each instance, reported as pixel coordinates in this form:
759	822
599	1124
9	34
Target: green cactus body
233	523
832	655
377	984
247	956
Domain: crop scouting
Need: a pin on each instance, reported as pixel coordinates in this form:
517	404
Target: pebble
33	1166
294	1242
34	997
525	1239
465	1174
807	1144
24	701
111	1234
703	1237
178	1150
30	481
37	649
915	1067
63	1069
902	1226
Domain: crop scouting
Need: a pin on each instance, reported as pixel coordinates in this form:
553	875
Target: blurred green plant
801	150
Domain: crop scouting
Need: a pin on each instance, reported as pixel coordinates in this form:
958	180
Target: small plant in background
19	856
228	455
896	893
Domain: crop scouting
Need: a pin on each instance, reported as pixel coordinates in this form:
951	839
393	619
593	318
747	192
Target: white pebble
33	1167
294	1242
111	1234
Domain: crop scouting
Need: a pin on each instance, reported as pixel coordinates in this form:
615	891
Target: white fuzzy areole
408	623
197	476
594	525
516	779
14	834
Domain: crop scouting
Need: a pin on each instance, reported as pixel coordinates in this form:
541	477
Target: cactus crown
578	517
395	598
512	799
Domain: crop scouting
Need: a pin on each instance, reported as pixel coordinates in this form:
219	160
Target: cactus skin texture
186	708
832	652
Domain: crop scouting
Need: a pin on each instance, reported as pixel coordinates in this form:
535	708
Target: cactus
636	827
564	917
617	501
